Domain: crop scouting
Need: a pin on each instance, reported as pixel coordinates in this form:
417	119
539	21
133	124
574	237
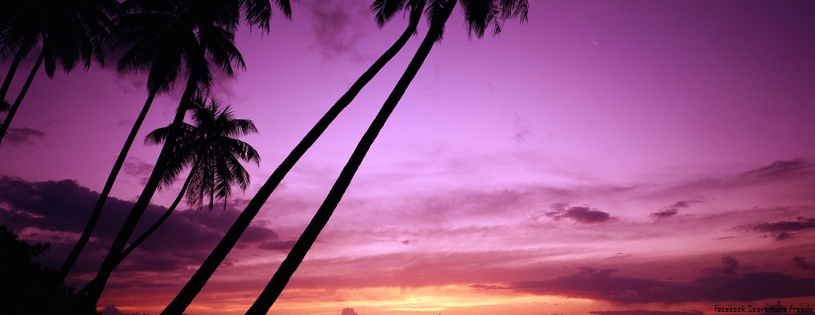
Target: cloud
600	284
349	311
60	207
673	209
520	129
781	230
138	168
112	310
23	135
584	215
782	168
729	265
488	287
282	246
337	27
801	262
644	312
664	213
786	226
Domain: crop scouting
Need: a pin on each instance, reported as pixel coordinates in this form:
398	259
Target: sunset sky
606	158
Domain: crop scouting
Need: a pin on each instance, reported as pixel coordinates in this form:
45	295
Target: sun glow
393	300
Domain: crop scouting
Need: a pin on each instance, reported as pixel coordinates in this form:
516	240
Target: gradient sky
607	158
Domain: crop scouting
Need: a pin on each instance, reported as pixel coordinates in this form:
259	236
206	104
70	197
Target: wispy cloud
601	284
782	168
782	230
23	135
338	27
138	168
673	209
801	262
584	215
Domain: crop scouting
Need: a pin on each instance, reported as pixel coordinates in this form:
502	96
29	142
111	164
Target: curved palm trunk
298	252
146	234
18	57
112	258
160	221
13	110
100	203
202	275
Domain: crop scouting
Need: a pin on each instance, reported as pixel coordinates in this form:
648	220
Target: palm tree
154	31
10	9
197	30
213	153
207	269
70	31
479	16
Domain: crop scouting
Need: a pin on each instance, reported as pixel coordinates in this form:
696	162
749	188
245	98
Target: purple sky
604	156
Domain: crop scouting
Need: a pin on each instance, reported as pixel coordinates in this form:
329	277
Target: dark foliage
26	287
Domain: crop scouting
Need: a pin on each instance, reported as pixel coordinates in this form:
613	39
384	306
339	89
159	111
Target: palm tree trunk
146	234
13	110
160	221
298	252
18	57
97	210
112	258
202	275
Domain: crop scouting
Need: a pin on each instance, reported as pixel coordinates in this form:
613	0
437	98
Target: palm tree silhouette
152	30
154	48
479	15
193	31
70	31
207	269
212	152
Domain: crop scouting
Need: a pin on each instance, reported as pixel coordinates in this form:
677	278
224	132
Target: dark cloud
781	169
664	213
185	239
600	284
583	215
338	27
781	230
348	311
112	310
644	312
729	265
787	226
801	262
487	287
138	168
23	135
782	236
673	209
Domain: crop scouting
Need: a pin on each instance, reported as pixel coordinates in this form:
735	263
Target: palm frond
210	147
384	10
434	10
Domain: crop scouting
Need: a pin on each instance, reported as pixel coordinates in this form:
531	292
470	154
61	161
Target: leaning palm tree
479	15
10	10
213	154
160	38
385	10
70	31
198	30
151	30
